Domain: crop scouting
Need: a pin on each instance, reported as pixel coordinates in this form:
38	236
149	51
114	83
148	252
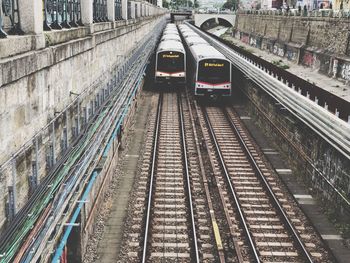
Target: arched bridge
199	19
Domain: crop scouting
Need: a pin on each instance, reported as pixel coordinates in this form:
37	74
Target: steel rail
334	130
269	190
231	189
330	128
153	168
218	241
302	153
187	176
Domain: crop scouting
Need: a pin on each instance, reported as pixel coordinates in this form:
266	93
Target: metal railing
60	14
300	12
9	13
118	9
129	10
100	11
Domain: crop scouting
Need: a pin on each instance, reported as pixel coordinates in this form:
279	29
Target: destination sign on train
219	65
170	56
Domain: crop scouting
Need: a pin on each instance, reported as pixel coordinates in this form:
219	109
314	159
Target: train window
170	61
214	71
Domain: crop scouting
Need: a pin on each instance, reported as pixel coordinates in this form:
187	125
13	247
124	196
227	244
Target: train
195	40
170	65
187	58
209	72
171	37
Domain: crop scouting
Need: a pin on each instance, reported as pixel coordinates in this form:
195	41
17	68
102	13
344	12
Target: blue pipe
64	239
120	120
59	250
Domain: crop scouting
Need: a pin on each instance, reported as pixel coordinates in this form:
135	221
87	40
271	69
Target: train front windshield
214	71
171	62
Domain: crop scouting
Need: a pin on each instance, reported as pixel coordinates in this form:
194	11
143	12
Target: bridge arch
200	19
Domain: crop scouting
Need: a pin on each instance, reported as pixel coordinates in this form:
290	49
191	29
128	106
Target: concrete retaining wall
321	43
37	85
89	214
302	147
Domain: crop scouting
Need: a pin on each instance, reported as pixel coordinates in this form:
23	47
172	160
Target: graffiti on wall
238	35
245	38
345	71
310	60
252	41
264	45
279	51
291	54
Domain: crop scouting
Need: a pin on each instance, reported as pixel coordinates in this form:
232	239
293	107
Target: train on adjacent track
170	65
209	72
205	70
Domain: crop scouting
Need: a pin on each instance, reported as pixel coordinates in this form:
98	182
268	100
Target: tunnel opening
224	22
209	24
215	22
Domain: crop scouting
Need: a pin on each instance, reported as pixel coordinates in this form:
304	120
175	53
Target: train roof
195	40
171	30
171	45
171	33
189	34
182	27
186	30
171	37
204	51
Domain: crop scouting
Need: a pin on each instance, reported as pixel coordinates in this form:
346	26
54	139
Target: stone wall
321	43
305	150
66	78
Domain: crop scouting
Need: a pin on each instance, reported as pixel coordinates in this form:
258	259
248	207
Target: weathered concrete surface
337	87
304	148
14	45
303	194
321	43
109	245
36	85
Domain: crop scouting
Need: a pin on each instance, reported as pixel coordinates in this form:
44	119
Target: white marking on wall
284	171
345	73
331	237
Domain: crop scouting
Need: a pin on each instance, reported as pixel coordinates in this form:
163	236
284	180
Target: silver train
170	66
209	72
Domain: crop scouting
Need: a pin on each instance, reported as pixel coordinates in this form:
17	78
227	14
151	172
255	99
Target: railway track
206	194
169	231
169	196
264	223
